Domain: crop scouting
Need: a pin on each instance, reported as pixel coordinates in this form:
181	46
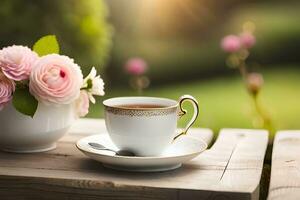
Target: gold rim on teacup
140	112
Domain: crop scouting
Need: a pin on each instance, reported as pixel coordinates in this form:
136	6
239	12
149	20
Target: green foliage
186	56
80	26
24	102
46	45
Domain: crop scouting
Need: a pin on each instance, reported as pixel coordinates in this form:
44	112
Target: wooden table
230	169
285	174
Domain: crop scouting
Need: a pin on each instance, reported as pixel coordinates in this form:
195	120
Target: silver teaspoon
119	153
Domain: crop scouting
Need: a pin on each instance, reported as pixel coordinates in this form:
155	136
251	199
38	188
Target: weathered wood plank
230	169
285	172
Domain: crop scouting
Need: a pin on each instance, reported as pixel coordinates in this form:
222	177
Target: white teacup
149	129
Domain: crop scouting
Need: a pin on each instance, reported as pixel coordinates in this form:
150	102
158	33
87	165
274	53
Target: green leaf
46	45
24	102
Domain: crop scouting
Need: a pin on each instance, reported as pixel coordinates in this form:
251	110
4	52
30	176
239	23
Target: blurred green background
180	40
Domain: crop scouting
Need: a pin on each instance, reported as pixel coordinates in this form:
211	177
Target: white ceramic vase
23	134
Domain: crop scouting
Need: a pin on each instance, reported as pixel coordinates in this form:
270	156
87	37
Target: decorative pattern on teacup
139	112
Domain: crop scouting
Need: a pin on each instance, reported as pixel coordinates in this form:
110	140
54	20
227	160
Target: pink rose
247	40
7	87
136	66
231	43
83	104
55	79
16	62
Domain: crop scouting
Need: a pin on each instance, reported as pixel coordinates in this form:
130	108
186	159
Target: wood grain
230	169
285	172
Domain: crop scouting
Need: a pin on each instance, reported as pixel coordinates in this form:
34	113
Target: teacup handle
182	112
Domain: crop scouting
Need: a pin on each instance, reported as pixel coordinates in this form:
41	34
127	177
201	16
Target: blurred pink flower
254	82
83	104
247	39
231	43
7	87
55	79
16	62
136	66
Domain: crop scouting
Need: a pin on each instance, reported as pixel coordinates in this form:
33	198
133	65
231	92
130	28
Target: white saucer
182	150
